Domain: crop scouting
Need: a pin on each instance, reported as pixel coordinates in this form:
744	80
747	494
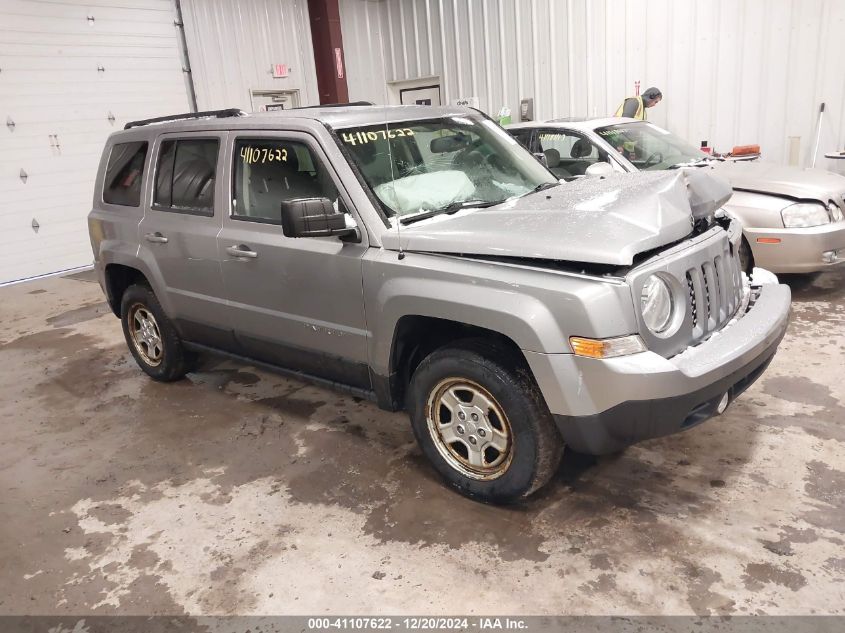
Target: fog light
828	257
723	404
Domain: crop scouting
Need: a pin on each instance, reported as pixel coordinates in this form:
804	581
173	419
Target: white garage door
72	72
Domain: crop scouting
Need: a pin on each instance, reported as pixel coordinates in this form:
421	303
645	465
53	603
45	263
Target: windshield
647	146
434	165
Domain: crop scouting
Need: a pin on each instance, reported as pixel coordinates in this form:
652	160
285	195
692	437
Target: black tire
746	257
536	446
172	362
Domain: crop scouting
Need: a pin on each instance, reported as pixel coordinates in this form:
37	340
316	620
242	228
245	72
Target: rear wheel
481	421
150	335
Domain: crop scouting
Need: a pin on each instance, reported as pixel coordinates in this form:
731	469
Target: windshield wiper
541	187
449	209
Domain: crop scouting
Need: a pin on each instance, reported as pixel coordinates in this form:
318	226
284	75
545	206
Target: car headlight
835	213
804	214
657	304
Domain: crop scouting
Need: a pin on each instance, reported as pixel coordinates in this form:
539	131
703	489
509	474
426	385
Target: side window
125	173
268	171
185	176
568	155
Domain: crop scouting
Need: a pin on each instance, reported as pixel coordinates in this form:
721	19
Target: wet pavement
237	491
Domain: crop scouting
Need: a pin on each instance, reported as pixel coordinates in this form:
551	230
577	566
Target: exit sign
280	71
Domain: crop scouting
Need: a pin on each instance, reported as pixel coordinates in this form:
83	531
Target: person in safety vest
635	107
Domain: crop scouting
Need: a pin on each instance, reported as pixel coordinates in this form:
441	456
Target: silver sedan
792	218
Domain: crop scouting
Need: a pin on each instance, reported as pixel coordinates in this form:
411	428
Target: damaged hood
783	180
591	220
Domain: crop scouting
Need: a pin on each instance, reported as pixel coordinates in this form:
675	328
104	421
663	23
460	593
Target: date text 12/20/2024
417	624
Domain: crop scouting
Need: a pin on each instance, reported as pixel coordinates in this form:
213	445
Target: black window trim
157	159
144	171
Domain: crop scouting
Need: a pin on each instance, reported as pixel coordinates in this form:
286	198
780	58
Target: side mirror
313	217
541	156
600	169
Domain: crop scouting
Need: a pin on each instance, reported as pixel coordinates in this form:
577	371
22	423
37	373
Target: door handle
156	238
242	250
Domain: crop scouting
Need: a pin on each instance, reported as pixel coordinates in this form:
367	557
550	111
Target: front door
179	234
293	302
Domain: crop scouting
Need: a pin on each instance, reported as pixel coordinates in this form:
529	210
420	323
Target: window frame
144	172
183	136
532	137
283	136
610	157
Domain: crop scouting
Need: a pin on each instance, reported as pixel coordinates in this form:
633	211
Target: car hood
592	220
794	182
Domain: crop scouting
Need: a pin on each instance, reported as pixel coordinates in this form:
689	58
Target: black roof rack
217	114
352	104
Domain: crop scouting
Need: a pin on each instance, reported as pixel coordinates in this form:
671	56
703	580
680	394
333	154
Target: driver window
266	172
568	155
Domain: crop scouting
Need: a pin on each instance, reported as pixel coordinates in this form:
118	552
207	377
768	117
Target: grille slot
693	308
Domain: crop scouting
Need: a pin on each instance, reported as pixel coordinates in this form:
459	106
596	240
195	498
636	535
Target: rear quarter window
125	173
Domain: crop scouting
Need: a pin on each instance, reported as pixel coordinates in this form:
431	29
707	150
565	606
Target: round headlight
656	303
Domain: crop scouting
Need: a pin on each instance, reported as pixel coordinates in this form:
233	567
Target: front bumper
799	250
601	406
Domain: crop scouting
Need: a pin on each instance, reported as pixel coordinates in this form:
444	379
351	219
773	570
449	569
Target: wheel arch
118	277
416	336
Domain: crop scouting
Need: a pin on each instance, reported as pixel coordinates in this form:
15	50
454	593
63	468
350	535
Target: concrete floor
237	491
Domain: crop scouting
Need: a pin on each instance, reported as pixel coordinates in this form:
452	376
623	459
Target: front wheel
481	421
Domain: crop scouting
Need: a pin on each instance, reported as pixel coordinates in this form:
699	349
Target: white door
72	73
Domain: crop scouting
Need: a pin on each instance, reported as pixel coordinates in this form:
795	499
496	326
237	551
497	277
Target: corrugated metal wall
233	45
732	71
72	72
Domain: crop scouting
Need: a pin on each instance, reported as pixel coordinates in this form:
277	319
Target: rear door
293	302
178	235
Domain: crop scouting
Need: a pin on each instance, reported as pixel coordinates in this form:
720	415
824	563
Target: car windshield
647	146
425	167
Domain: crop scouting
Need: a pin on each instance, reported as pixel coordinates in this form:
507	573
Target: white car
792	218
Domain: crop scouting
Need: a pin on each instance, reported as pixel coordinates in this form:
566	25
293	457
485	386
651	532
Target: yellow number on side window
252	155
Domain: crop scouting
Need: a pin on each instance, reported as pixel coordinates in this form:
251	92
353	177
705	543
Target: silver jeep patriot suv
420	257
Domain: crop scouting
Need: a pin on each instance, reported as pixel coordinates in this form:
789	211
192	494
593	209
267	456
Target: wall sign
280	71
468	102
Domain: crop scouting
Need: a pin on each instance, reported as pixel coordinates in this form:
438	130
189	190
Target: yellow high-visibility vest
640	113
